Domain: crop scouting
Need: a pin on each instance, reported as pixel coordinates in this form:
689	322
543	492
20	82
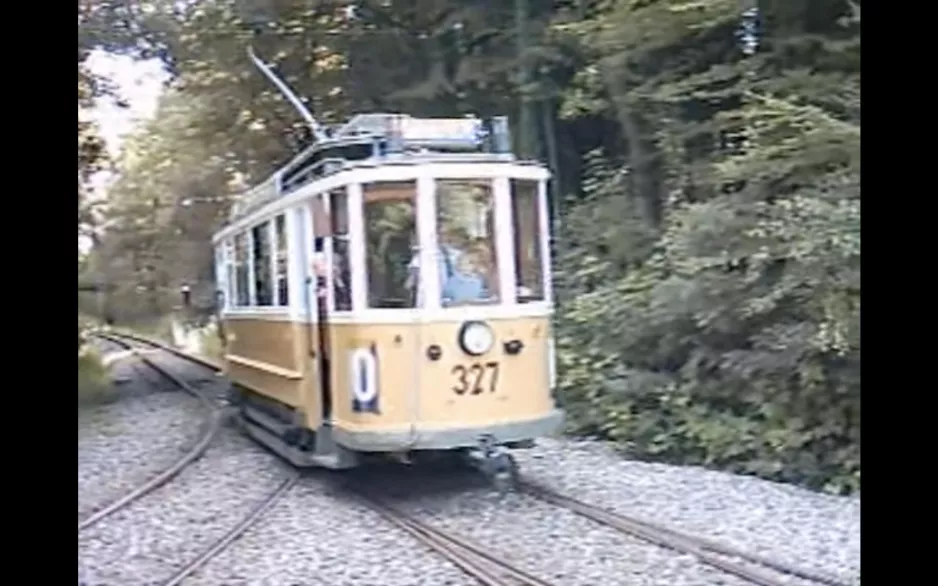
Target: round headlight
476	338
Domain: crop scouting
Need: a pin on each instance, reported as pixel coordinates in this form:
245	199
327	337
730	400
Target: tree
738	328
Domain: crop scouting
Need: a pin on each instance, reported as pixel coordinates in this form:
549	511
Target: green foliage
94	386
732	340
156	329
92	154
210	343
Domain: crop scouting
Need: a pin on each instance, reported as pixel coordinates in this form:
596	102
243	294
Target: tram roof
369	140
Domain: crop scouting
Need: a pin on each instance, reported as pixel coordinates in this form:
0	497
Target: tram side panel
269	357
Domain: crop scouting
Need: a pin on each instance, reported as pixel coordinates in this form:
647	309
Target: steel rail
211	426
707	551
486	567
235	532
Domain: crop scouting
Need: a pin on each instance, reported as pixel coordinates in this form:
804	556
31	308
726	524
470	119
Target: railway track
706	551
487	568
211	426
490	569
235	532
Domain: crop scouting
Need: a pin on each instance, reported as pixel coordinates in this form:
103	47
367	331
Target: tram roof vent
374	124
405	133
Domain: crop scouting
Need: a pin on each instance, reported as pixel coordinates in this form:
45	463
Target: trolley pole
526	118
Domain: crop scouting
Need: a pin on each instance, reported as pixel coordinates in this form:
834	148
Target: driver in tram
461	280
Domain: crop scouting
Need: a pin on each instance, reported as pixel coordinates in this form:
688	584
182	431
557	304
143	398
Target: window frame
303	232
342	194
262	226
357	227
546	227
275	262
514	187
245	237
497	239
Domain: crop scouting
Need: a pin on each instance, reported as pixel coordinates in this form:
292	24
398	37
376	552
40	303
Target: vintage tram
388	291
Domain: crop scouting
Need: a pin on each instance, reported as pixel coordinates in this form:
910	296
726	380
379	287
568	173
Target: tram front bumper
449	438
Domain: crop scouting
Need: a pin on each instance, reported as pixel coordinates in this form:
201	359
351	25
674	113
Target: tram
388	292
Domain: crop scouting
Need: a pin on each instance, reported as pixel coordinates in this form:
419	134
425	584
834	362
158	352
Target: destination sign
467	130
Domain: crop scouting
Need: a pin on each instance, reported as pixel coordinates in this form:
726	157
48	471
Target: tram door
389	343
330	270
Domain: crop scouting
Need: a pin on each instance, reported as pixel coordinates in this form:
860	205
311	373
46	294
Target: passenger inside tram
467	271
340	275
460	281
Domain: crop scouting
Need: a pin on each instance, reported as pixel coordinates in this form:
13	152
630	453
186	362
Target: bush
210	343
697	364
158	329
94	385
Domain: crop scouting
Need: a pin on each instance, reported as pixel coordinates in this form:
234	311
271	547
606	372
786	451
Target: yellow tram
388	291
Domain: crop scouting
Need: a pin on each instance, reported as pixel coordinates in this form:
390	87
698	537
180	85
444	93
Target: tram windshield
467	244
390	225
466	255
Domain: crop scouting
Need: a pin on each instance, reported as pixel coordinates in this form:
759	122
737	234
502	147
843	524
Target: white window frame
423	190
308	283
353	180
545	227
327	250
358	268
275	252
247	265
428	240
296	255
504	241
252	282
272	257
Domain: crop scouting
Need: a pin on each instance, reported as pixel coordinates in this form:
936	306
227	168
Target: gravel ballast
125	443
150	539
814	531
316	535
557	545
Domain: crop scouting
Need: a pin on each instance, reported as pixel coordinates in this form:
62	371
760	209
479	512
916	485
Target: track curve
705	550
235	532
484	566
490	570
211	426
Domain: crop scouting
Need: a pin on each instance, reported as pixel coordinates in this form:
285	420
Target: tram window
231	289
466	234
390	223
321	224
341	275
242	271
529	278
263	290
283	289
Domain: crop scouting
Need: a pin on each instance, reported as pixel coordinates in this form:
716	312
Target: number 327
473	380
